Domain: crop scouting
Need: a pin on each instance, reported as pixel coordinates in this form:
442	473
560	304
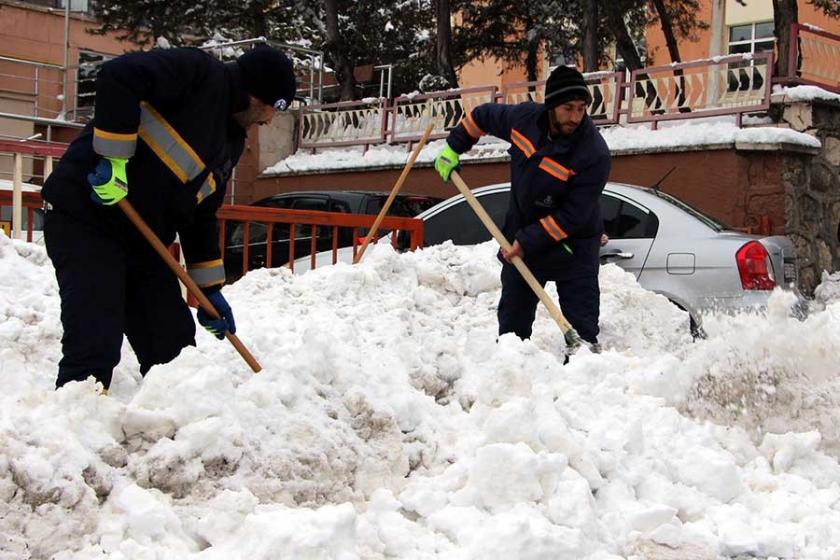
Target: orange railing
310	232
323	230
814	56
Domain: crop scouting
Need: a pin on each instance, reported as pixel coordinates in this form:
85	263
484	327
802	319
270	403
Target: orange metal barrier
309	221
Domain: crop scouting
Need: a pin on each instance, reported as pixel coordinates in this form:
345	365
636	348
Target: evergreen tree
830	7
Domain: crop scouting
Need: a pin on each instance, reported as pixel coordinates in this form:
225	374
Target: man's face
565	118
256	113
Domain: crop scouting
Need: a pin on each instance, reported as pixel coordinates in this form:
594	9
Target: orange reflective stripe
472	129
565	171
554	230
120	137
522	142
562	173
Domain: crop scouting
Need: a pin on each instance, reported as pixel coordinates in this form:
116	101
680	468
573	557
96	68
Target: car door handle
617	255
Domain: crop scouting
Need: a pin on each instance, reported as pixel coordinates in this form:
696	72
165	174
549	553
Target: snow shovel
573	339
182	275
387	206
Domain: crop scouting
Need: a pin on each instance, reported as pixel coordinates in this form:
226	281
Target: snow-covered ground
389	422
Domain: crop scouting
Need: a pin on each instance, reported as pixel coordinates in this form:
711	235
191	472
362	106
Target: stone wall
812	188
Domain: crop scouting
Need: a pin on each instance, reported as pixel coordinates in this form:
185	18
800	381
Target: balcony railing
815	57
730	85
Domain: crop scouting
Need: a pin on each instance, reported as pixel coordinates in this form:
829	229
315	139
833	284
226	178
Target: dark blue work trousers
579	300
110	287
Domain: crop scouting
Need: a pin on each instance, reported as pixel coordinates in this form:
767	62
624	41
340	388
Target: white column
17	197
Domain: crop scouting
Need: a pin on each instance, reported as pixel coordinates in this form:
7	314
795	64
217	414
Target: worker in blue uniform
559	166
169	127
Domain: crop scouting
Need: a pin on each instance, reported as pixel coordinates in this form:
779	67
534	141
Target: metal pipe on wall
63	112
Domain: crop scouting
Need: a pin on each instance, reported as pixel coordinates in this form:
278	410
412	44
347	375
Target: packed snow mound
389	422
828	291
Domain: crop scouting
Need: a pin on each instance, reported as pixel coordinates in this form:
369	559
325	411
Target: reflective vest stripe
554	230
552	170
565	171
522	142
208	188
208	273
114	144
168	145
472	129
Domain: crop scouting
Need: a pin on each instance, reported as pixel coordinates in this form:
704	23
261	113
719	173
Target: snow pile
389	422
805	93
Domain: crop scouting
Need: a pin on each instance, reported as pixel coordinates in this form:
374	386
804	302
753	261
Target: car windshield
713	223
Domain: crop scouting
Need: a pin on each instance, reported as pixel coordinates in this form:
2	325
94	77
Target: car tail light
755	267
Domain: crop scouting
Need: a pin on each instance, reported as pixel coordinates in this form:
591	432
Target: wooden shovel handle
182	275
372	233
569	333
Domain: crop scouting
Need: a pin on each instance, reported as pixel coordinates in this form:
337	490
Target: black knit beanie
268	75
563	85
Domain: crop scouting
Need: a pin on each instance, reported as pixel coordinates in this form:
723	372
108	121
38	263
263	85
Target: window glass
761	46
623	220
339	206
632	222
89	65
37	217
609	213
764	30
311	203
406	206
460	224
739	49
374	205
256	233
740	33
276	203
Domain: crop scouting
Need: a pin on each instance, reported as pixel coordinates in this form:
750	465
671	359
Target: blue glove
217	327
108	181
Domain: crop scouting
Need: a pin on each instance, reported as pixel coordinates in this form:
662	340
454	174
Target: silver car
671	248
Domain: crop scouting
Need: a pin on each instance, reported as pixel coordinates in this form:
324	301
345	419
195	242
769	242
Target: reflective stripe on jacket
170	112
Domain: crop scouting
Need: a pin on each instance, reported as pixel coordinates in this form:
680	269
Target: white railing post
17	197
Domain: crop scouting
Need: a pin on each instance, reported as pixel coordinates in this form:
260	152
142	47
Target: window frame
751	41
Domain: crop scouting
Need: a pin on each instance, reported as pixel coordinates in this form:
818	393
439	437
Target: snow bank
389	422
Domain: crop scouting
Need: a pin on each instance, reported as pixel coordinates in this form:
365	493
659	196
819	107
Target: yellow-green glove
447	162
108	181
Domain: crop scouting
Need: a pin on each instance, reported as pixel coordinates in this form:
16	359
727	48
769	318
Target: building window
751	38
89	64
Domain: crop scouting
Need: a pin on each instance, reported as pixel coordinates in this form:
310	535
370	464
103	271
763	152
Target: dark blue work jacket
170	113
554	210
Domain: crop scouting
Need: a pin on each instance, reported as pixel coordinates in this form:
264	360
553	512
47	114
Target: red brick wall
735	187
